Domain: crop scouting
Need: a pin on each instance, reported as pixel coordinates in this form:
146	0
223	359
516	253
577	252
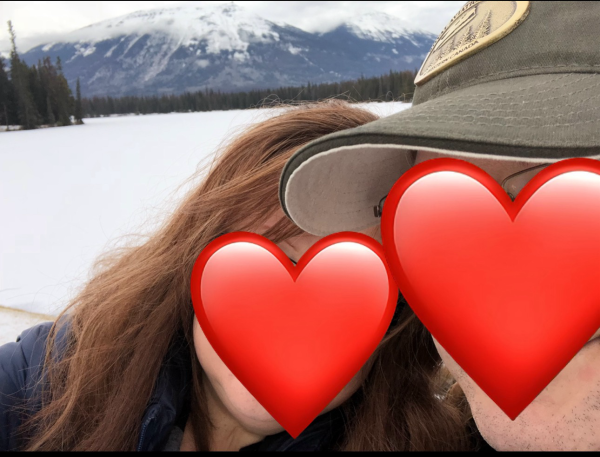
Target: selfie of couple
510	87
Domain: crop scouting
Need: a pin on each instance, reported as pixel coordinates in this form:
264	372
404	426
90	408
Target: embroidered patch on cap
477	25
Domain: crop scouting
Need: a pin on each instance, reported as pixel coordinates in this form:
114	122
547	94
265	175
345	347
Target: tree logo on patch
476	26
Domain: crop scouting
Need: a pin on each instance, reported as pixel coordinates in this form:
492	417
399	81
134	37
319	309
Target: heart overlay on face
509	289
294	336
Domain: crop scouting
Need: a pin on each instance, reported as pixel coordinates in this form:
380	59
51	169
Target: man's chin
564	416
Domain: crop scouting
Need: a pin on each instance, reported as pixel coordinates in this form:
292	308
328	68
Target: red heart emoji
294	336
509	289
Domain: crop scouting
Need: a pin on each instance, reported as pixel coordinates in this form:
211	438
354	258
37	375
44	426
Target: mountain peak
380	26
229	8
227	26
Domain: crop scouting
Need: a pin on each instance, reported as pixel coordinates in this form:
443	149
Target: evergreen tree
7	107
19	72
50	114
65	101
78	107
41	89
37	91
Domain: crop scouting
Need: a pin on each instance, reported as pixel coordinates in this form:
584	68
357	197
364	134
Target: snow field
69	194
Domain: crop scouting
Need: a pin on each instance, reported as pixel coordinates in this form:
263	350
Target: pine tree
65	101
50	114
6	97
28	115
78	107
485	28
36	89
467	37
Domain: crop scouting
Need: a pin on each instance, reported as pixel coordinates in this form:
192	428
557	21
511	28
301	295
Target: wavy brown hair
123	322
409	402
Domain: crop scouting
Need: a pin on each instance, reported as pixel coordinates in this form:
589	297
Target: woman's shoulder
17	359
21	366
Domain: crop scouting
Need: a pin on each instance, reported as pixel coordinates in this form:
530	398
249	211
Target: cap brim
333	183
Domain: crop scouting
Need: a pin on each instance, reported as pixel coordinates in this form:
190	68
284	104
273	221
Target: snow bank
68	194
13	322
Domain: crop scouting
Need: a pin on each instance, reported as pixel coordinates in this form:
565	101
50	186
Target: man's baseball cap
508	80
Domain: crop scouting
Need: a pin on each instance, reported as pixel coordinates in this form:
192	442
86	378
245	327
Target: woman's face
233	396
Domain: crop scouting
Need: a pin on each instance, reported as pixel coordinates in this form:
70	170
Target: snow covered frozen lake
68	194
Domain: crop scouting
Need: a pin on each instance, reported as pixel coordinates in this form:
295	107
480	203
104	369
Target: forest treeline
38	95
396	85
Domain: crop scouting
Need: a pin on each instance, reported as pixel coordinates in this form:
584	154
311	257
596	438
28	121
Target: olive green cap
506	80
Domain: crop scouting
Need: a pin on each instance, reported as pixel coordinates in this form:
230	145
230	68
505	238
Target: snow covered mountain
226	48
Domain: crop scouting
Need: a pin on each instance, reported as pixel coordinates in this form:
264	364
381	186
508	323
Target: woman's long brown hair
405	403
124	320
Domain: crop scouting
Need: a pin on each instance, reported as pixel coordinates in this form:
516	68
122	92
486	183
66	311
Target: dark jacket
21	370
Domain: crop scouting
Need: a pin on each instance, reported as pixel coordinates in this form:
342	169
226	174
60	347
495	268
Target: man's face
566	414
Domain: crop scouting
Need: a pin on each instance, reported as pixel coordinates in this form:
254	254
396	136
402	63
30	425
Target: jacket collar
170	398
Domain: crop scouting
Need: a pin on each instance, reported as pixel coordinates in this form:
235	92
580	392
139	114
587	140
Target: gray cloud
42	22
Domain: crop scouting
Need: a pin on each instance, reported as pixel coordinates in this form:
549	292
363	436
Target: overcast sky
42	22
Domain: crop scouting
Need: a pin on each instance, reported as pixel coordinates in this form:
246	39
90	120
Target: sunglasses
512	185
